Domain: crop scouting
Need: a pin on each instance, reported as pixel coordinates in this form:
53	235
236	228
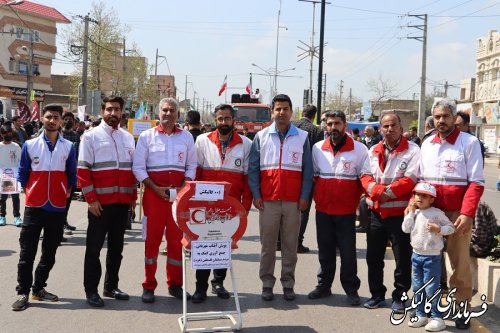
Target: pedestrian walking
10	154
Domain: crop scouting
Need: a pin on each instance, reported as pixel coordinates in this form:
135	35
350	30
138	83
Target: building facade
28	37
487	97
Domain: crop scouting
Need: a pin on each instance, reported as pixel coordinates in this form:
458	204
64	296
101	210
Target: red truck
251	115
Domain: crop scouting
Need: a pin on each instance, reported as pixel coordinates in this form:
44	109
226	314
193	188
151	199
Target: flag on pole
35	111
81	112
24	111
140	111
224	86
248	89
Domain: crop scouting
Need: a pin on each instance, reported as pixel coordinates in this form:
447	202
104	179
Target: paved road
72	314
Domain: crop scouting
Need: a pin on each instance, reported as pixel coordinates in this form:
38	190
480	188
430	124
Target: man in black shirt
193	123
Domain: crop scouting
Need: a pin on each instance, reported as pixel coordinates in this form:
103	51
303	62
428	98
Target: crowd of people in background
387	177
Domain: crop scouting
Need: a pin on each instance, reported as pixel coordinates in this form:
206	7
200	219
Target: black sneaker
461	324
219	290
289	294
69	227
302	249
353	299
148	296
375	302
21	303
267	294
44	295
319	292
199	296
176	291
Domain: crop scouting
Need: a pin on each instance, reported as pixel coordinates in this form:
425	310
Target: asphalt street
72	314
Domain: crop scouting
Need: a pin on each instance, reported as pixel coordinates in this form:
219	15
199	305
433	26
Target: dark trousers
68	204
111	223
334	231
379	232
202	276
15	204
363	213
35	220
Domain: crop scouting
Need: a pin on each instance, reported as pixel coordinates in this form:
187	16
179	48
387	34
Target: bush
495	251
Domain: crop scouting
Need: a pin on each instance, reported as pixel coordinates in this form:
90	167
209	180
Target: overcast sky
207	40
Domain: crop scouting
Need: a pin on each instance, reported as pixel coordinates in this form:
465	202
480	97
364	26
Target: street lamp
12	3
273	72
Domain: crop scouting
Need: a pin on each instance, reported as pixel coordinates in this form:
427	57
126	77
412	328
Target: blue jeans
424	269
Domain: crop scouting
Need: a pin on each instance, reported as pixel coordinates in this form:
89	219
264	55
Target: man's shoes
176	291
302	249
21	303
267	294
18	222
421	321
353	299
219	290
64	239
116	294
398	307
319	292
44	295
67	230
361	229
148	296
93	299
435	325
3	221
199	296
289	294
164	251
461	325
375	302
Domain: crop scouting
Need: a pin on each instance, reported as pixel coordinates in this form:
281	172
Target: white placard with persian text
211	254
208	192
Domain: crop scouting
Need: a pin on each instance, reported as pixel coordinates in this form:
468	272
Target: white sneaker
435	325
421	321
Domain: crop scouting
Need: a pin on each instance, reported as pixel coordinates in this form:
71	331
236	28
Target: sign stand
233	316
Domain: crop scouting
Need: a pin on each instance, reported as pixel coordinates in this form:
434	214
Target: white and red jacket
341	177
396	177
284	170
233	168
455	168
105	165
165	158
48	174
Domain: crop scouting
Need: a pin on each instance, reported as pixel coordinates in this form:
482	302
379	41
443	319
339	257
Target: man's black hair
309	111
281	98
193	118
53	108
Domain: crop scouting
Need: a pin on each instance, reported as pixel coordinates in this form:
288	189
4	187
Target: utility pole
310	51
445	88
29	75
324	87
320	64
341	91
186	95
276	61
423	39
85	64
350	103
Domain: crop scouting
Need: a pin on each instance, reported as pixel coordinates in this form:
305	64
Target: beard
225	129
335	134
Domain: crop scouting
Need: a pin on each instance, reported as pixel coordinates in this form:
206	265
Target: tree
333	102
105	54
382	88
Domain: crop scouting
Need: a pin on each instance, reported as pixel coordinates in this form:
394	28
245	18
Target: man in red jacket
222	155
394	165
451	161
341	171
109	186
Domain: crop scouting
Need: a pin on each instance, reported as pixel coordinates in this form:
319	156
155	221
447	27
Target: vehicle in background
250	114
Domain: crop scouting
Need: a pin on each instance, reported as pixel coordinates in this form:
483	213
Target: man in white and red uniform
451	161
47	172
341	171
280	177
394	165
164	159
109	186
222	156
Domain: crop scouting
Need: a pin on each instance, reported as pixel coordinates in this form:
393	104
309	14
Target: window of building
25	34
23	68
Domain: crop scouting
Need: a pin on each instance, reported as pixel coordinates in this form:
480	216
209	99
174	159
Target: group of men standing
277	171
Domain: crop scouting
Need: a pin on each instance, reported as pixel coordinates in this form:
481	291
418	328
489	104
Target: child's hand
433	227
412	206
